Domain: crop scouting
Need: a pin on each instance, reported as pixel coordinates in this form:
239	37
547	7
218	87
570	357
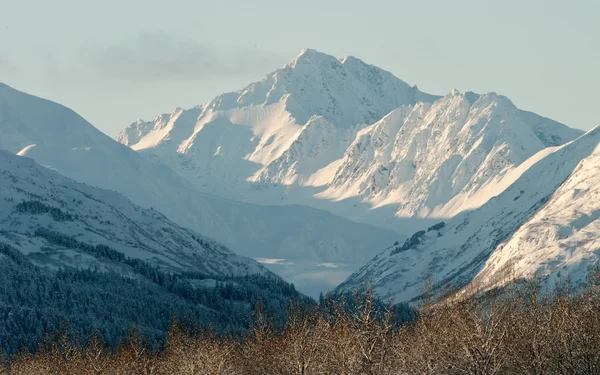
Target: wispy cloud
164	57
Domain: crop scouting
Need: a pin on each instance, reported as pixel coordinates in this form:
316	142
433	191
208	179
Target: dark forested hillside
35	302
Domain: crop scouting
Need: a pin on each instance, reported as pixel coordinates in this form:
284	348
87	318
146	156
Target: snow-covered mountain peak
349	137
469	96
345	92
238	134
308	57
352	60
61	140
431	159
454	92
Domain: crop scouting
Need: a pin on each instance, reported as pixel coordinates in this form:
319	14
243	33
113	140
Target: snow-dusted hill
545	224
58	138
38	203
77	256
350	138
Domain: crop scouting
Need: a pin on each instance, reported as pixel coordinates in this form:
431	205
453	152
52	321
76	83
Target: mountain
58	138
431	160
544	224
313	84
38	202
350	138
88	259
296	119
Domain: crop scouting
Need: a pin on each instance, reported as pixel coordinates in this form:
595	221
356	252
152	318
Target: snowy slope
350	138
77	256
58	138
282	129
35	197
563	237
432	160
544	224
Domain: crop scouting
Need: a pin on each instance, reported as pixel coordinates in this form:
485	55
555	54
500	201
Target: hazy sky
114	61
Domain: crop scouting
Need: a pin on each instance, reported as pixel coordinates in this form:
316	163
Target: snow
101	217
347	137
283	129
562	237
67	143
545	224
326	161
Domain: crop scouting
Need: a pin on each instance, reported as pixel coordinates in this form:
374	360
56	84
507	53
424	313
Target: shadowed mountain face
42	211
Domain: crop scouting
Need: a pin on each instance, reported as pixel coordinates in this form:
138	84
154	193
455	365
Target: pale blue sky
114	61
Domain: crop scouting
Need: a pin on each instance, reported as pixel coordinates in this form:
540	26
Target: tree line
515	330
36	302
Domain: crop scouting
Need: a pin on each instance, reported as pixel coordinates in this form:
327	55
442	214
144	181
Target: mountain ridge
73	147
535	228
294	137
35	197
87	259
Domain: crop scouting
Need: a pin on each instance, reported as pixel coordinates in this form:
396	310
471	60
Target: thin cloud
160	56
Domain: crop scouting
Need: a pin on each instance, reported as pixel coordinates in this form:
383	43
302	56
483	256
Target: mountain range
297	236
76	256
350	138
324	163
544	225
38	202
